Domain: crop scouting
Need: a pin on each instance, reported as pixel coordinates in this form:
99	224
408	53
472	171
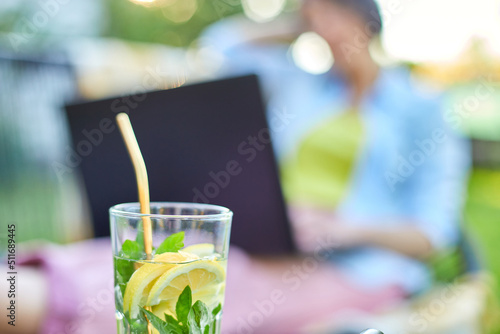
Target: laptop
206	143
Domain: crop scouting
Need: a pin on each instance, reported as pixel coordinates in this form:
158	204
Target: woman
373	175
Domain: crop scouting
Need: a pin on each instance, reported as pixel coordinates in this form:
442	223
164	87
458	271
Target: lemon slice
205	277
175	258
201	250
139	285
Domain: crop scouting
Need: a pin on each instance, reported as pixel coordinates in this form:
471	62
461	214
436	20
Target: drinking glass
179	287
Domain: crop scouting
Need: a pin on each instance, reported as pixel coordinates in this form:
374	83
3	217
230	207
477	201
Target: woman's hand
316	228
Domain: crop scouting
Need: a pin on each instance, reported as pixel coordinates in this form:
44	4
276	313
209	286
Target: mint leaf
162	326
131	250
173	243
140	236
217	310
125	270
157	323
172	322
138	325
199	319
213	325
194	329
123	287
196	319
183	305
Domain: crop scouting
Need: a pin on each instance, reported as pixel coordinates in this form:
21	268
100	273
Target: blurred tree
29	26
170	22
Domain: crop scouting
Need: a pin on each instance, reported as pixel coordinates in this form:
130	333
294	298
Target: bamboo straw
141	175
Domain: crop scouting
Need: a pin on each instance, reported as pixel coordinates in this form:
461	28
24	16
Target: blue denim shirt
412	169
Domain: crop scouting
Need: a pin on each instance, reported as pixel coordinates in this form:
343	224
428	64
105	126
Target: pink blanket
268	297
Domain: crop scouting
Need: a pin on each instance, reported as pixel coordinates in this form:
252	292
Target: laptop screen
206	143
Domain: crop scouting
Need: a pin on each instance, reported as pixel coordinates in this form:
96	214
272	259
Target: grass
482	218
482	222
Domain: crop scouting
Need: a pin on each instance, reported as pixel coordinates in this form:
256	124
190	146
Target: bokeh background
57	51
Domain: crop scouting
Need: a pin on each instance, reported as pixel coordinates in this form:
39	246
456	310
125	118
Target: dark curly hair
367	9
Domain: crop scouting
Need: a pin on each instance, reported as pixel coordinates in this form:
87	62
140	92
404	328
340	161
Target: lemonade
180	292
170	267
161	286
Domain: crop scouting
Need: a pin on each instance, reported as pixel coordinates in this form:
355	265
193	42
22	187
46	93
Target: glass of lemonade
179	288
